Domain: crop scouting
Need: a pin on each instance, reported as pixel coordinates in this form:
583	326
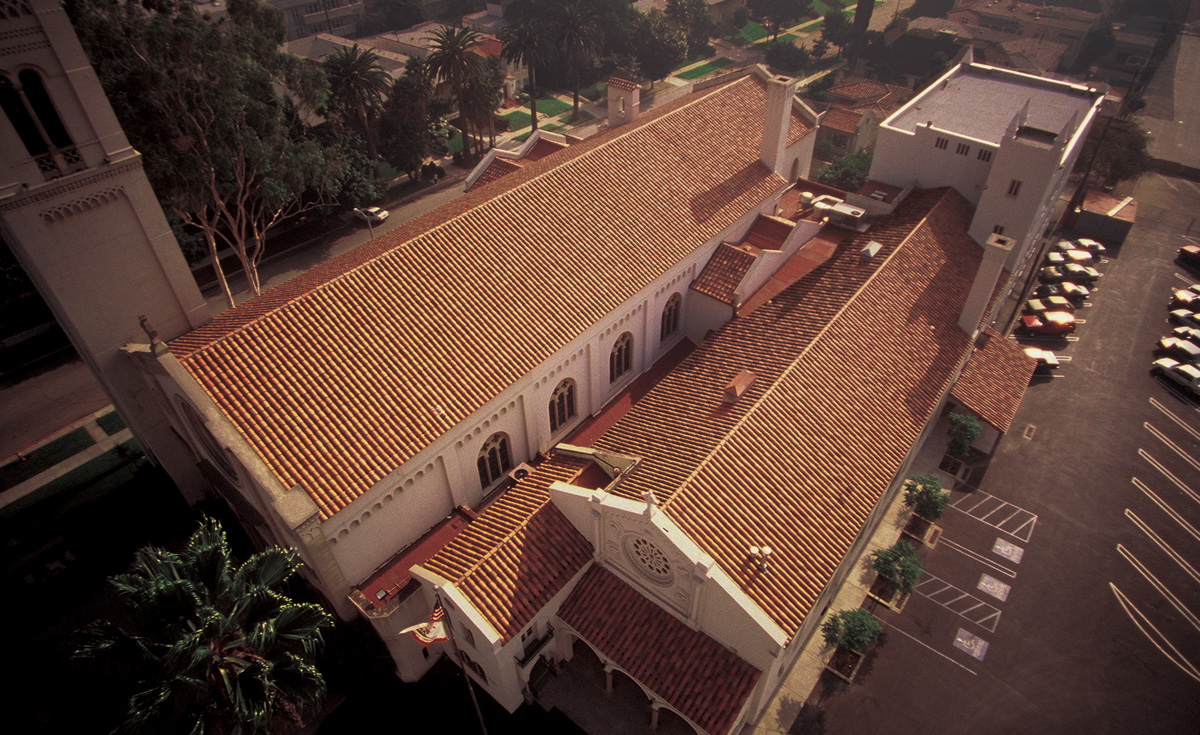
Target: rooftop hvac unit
521	471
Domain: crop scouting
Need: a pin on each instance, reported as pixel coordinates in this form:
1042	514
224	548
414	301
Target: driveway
1064	596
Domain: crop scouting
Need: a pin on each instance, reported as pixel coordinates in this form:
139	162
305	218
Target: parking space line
1158	639
1172	445
919	643
1158	541
1158	585
979	558
1167	509
1154	402
1022	530
1167	474
969	603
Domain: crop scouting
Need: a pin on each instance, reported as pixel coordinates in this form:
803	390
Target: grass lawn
705	68
750	33
455	143
519	119
111	422
594	92
820	8
553	106
786	38
584	117
45	457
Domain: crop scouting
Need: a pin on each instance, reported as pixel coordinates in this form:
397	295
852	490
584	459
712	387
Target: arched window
670	317
620	360
494	460
562	404
30	110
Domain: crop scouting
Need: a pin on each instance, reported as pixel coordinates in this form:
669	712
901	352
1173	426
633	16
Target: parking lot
1064	594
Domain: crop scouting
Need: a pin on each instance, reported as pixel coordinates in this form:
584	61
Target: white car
1186	375
1090	245
374	215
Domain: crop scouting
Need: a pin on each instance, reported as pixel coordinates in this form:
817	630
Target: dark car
1178	349
1190	255
1072	291
1080	273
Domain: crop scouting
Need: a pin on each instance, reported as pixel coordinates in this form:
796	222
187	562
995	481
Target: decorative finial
150	331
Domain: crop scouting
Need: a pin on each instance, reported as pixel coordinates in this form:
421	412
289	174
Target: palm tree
452	59
578	38
207	647
357	86
527	42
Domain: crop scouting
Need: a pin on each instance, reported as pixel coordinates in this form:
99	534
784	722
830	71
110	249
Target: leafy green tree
693	17
528	42
924	495
1117	150
899	565
357	86
930	8
662	45
853	630
820	48
207	646
453	60
863	10
847	174
413	119
779	13
218	111
786	55
579	40
837	30
484	93
964	430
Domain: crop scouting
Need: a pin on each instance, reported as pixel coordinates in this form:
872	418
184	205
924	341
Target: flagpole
461	663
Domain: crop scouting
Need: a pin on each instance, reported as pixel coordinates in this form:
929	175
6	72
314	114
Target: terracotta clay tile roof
625	84
723	273
496	170
851	360
694	674
364	353
798	128
768	233
862	94
519	552
541	149
844	121
994	380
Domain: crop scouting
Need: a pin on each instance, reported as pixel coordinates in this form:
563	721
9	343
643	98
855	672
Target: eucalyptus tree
413	119
219	112
358	86
579	39
528	42
453	60
204	645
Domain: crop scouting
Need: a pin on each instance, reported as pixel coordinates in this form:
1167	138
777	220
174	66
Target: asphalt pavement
1064	595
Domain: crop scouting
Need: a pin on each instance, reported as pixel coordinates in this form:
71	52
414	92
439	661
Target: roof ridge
500	196
750	412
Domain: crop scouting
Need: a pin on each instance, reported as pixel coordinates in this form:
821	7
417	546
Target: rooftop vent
879	196
739	385
870	250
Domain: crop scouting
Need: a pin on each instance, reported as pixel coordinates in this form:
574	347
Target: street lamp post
370	227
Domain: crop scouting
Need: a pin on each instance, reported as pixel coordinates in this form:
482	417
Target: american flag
433	631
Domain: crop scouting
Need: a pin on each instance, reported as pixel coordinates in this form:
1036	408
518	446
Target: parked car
1090	245
1185	375
1049	303
1080	273
1052	274
1184	298
1046	360
1191	334
374	215
1082	257
1074	291
1186	317
1047	324
1189	255
1179	349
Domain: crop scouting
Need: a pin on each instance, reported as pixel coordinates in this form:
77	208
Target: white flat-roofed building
1006	140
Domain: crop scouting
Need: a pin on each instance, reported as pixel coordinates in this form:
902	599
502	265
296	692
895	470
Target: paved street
1064	594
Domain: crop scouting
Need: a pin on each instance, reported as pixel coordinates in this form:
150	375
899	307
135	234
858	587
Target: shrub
899	565
741	16
924	495
853	630
786	56
964	430
824	149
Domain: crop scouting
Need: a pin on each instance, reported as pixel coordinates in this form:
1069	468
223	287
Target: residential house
856	106
1060	24
315	48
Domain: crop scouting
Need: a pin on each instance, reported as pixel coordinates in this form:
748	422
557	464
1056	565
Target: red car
1048	324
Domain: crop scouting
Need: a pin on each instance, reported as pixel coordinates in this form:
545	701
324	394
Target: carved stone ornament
648	560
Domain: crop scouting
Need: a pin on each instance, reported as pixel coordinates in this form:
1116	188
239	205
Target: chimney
624	98
780	93
995	251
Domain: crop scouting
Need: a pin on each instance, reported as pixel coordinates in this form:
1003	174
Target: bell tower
78	212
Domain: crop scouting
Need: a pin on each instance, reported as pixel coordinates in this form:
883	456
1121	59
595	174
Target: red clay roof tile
994	380
365	353
693	673
723	273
